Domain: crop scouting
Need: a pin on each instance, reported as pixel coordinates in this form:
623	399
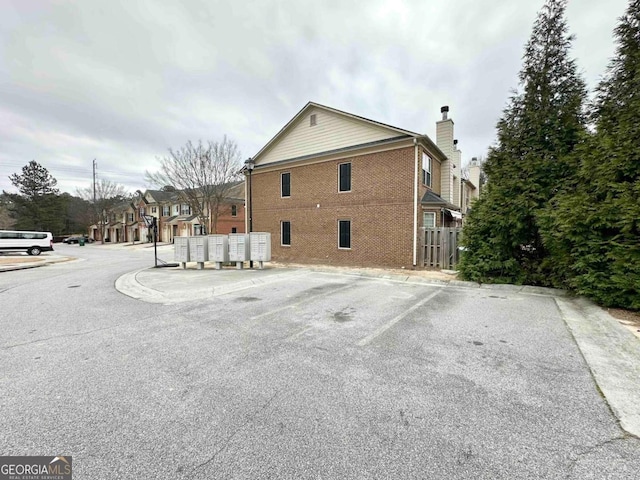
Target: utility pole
94	180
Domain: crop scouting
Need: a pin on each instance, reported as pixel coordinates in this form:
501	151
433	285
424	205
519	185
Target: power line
76	170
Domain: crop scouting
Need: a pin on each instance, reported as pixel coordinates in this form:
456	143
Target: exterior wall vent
312	120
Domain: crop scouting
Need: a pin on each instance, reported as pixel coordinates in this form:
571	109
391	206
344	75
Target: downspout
415	204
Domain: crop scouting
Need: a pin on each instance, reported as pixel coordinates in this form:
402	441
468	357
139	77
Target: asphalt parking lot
355	377
294	373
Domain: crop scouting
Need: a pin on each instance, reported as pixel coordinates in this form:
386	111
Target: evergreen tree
77	214
37	206
6	205
35	181
541	125
595	230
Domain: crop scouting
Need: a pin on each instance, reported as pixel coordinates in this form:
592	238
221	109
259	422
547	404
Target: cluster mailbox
181	250
238	248
235	247
218	249
260	247
199	250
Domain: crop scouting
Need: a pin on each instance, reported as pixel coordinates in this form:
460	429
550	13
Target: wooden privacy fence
441	247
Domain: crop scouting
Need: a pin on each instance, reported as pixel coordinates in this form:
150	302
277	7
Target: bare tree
108	195
202	176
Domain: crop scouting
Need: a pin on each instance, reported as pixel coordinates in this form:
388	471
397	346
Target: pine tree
35	181
37	206
540	127
595	230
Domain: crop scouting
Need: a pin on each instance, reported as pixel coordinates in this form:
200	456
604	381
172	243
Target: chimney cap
444	109
455	142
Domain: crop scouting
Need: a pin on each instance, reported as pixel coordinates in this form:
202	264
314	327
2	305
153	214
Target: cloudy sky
122	81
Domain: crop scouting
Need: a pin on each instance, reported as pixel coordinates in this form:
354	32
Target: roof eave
326	153
432	147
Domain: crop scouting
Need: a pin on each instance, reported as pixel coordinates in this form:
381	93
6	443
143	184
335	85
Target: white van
31	242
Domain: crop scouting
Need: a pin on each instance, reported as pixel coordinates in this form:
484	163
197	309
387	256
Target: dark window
234	230
345	177
234	210
286	184
286	233
344	233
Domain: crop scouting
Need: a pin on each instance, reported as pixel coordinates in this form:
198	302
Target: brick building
336	188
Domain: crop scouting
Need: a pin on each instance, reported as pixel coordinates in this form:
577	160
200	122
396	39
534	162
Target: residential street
294	373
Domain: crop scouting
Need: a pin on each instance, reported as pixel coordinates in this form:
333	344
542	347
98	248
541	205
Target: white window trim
282	244
350	177
433	214
426	159
281	176
350	235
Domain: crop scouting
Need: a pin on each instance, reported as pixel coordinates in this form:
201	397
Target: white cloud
124	81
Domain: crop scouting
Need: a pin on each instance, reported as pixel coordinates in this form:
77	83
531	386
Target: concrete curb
613	355
24	266
128	285
41	263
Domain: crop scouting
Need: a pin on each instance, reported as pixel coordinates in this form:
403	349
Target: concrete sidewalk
611	351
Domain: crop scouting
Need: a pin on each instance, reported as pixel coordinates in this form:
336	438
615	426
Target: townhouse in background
336	188
173	217
470	186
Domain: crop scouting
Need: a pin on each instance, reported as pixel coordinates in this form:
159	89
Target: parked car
77	239
31	242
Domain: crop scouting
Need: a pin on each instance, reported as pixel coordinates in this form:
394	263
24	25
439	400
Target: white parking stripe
395	320
305	300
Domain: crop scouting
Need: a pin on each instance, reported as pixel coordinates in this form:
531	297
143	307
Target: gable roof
160	196
235	190
362	132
